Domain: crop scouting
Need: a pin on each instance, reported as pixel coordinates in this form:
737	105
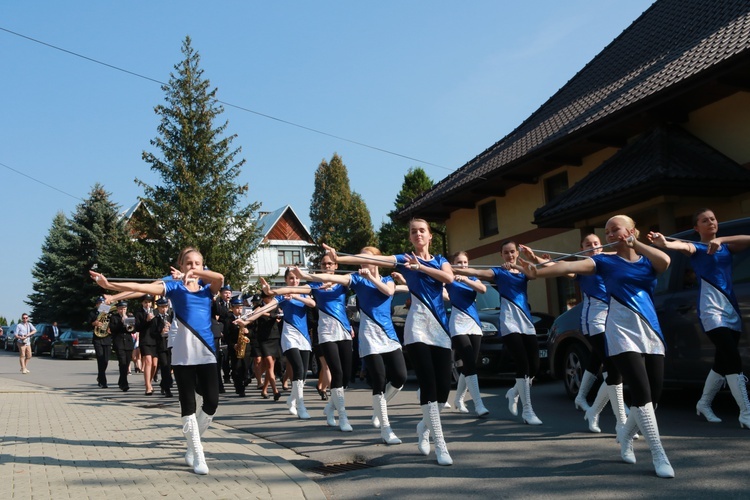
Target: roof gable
283	224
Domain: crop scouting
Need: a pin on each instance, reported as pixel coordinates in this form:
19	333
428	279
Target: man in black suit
221	311
122	341
102	345
164	352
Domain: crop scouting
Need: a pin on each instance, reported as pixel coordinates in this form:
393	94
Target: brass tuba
102	329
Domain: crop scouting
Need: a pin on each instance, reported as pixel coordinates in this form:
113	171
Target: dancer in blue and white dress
466	334
426	333
193	349
334	338
634	338
295	338
718	309
593	321
378	342
516	327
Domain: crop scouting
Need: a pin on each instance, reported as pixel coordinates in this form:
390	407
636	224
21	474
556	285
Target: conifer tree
338	217
198	202
95	235
393	236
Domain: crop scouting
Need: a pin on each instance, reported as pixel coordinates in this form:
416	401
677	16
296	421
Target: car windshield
490	300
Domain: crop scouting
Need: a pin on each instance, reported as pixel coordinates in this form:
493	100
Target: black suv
690	354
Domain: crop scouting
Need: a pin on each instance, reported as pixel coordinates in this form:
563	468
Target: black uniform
102	348
164	352
238	365
122	341
223	311
149	336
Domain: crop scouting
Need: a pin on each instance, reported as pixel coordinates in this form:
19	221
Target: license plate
91	351
542	353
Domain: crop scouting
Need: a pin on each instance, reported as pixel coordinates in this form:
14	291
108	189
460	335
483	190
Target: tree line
197	202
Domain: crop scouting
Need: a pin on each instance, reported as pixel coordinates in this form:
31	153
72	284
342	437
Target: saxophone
242	341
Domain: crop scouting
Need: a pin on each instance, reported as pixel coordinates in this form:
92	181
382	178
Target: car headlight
488	327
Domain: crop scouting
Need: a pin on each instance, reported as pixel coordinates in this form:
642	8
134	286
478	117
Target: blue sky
436	81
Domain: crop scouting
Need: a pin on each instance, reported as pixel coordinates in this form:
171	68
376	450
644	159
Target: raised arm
484	274
341	279
736	243
361	259
475	285
659	259
156	288
444	274
658	239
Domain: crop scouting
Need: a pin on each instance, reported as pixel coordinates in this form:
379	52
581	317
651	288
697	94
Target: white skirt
422	326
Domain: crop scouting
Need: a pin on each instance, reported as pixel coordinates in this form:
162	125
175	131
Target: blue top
463	298
295	314
632	324
512	287
331	301
592	285
424	288
717	303
193	341
373	303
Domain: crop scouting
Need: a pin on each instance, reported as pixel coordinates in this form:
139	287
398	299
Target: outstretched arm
658	258
561	268
484	274
658	239
361	259
475	285
156	288
736	243
341	279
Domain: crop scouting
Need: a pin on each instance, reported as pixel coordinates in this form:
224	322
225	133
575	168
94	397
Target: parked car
494	358
41	341
10	339
689	354
4	329
73	344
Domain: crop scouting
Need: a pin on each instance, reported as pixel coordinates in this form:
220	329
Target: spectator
24	331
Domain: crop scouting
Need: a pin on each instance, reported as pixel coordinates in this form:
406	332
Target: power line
40	182
236	106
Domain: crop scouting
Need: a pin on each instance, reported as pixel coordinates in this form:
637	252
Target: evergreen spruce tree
95	235
198	202
393	236
338	217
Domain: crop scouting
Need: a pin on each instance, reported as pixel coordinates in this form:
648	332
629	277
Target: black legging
467	348
299	360
387	366
197	378
599	356
644	375
727	360
525	352
432	365
338	355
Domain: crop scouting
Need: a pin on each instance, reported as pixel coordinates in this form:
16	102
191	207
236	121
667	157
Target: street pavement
57	444
65	438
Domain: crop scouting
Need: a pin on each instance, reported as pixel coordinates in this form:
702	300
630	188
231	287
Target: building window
555	186
488	220
290	257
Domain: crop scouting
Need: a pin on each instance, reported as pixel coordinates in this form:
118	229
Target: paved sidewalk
55	444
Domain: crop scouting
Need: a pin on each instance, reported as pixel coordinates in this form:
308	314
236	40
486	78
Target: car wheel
575	361
37	351
52	352
68	354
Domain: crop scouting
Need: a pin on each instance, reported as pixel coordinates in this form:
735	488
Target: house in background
655	126
285	242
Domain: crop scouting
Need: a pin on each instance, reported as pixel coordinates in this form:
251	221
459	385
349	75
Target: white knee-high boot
647	423
587	382
203	420
298	387
423	435
195	448
512	396
592	414
330	412
737	383
711	388
458	403
337	395
380	406
431	414
291	401
524	392
625	438
390	393
472	382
